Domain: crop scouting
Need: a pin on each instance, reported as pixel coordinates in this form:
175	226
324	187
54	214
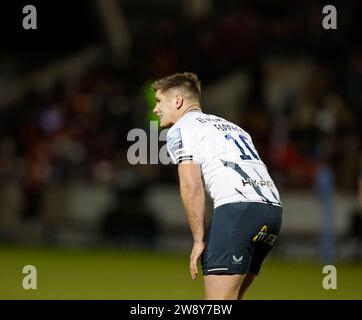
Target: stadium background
97	227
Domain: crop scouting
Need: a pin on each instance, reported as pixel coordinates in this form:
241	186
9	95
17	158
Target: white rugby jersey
231	168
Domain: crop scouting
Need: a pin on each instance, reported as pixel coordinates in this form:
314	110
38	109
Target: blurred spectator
355	227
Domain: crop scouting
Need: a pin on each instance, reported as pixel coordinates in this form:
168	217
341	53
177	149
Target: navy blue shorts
239	238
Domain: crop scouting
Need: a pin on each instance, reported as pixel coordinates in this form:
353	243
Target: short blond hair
187	81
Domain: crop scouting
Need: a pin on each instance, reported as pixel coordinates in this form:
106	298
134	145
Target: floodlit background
96	227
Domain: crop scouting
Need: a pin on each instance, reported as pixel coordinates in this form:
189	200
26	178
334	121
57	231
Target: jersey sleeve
182	145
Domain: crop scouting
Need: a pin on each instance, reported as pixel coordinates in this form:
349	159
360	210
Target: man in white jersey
217	155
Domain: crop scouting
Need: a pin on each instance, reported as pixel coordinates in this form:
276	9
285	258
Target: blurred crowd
78	129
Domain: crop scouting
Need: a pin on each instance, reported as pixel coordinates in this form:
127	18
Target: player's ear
179	101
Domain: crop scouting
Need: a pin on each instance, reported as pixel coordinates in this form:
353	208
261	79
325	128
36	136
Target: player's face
164	109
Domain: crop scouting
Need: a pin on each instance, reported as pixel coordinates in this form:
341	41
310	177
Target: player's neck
191	107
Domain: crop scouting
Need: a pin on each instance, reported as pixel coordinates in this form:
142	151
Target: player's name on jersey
219	126
209	119
227	127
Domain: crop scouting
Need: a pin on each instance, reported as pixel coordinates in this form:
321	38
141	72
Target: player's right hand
196	252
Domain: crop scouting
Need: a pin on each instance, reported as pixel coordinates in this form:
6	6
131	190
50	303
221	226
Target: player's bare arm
193	198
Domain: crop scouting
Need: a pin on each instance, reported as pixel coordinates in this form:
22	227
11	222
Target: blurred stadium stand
68	101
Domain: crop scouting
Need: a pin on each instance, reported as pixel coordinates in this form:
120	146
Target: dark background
69	96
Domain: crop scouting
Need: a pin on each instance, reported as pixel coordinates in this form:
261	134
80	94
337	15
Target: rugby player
218	156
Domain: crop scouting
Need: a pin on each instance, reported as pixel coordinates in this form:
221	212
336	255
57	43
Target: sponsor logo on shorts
237	260
264	236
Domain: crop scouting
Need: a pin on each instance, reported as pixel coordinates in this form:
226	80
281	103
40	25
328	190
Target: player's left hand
197	250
